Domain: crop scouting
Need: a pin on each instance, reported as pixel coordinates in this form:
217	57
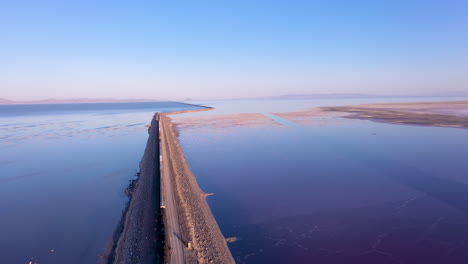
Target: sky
204	49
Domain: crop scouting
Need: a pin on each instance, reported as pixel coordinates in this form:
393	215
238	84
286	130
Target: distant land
315	96
460	93
76	101
358	95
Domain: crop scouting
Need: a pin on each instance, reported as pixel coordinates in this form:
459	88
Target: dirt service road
192	233
176	246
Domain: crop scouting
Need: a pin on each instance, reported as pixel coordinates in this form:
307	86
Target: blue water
61	109
63	172
347	191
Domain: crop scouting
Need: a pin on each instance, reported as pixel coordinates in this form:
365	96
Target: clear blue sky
220	49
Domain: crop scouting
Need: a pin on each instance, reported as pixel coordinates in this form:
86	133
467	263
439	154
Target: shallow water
343	191
63	172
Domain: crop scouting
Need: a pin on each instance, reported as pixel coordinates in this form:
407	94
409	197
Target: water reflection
63	172
350	192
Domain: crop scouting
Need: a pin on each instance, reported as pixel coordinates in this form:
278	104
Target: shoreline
135	239
199	228
436	114
141	235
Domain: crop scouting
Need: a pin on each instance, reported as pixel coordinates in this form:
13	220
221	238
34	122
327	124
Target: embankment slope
197	223
136	241
192	234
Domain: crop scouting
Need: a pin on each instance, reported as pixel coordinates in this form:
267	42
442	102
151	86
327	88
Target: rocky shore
199	229
137	239
145	231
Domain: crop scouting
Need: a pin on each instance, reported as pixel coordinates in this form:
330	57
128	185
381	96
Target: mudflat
440	114
251	120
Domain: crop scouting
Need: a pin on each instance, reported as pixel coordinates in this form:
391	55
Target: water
63	172
347	191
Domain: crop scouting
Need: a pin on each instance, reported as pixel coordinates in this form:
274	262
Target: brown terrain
251	120
311	117
135	239
192	234
441	114
199	231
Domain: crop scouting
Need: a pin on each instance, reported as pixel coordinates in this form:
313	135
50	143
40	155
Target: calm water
349	191
63	172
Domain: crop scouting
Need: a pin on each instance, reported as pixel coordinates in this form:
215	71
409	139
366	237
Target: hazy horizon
219	50
460	94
